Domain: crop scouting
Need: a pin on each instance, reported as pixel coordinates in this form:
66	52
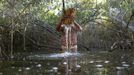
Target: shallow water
83	63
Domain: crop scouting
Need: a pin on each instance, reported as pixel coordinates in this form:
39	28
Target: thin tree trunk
12	33
24	39
24	36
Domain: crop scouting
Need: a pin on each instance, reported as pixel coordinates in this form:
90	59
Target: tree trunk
12	36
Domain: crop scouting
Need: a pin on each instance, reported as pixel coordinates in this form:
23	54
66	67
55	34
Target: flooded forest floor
101	62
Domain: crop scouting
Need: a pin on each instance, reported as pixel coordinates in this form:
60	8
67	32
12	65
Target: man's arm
58	28
77	26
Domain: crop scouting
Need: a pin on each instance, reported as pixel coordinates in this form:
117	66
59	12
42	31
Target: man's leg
74	48
64	48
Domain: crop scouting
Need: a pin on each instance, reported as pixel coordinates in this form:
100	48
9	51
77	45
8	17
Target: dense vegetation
29	25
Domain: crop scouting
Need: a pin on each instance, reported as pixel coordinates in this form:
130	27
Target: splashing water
53	56
65	54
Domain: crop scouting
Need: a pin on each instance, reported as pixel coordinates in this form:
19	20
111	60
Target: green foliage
92	15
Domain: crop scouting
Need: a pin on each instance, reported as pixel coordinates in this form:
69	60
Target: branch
130	19
87	48
88	18
37	44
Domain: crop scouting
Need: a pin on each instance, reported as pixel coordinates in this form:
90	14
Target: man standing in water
69	29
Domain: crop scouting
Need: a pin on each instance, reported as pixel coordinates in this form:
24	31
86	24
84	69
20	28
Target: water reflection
69	66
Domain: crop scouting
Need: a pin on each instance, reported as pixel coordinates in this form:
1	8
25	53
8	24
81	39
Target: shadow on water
85	63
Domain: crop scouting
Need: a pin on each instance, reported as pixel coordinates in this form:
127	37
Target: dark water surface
83	63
